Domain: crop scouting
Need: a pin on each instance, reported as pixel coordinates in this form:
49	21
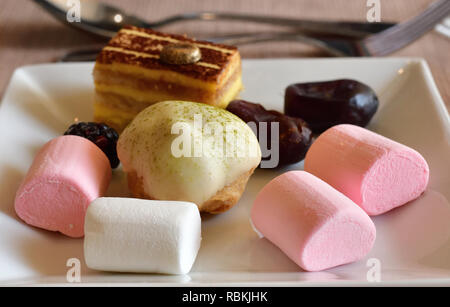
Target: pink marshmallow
312	223
375	172
67	174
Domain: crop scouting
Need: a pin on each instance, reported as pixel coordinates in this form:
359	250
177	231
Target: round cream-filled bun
189	151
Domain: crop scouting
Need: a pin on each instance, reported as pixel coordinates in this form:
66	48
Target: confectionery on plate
211	171
138	235
67	174
101	135
325	104
311	222
377	173
287	143
140	67
186	149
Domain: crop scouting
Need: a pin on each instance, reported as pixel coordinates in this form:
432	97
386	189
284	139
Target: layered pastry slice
139	67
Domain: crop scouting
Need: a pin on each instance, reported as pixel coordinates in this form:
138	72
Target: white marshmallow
137	235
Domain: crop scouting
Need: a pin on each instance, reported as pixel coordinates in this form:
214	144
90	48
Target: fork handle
321	43
353	29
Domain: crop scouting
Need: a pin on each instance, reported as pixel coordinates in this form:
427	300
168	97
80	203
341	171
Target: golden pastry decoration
180	53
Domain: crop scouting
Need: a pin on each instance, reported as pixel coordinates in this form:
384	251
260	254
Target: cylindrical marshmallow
67	174
137	235
312	223
375	172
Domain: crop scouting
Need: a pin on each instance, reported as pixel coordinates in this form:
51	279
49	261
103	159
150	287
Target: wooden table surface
29	35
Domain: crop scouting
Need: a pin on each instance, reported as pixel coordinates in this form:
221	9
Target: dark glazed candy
294	134
326	104
101	135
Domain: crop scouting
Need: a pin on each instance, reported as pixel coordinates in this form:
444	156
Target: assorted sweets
137	235
313	224
207	169
377	173
293	138
320	217
140	67
164	109
328	103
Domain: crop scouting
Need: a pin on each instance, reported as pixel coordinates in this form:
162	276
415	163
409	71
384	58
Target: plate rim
437	101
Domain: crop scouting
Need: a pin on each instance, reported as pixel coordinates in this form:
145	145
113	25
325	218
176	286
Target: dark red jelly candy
326	104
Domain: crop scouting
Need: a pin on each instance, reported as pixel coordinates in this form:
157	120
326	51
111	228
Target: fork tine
401	35
429	16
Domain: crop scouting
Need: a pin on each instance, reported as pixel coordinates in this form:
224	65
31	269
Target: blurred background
29	35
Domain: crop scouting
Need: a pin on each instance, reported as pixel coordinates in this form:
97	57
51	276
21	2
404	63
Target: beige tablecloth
29	35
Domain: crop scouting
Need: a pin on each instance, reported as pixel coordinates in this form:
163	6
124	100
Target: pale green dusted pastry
189	151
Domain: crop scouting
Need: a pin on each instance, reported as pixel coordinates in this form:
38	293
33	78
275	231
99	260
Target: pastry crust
220	202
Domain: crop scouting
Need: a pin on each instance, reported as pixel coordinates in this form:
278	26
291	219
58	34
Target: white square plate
413	241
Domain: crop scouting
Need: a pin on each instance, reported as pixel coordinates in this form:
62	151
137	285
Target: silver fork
105	20
379	44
